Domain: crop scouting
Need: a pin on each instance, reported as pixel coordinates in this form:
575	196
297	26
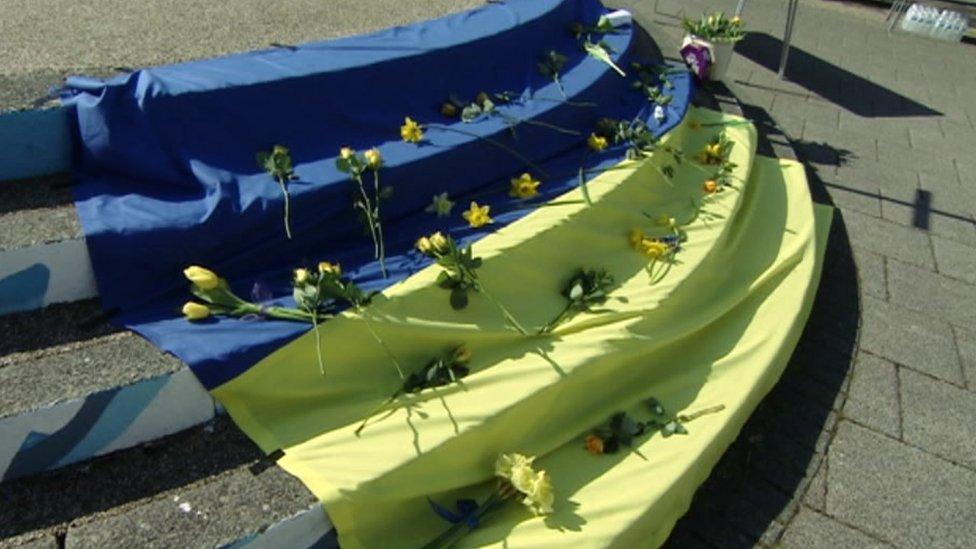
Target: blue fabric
168	178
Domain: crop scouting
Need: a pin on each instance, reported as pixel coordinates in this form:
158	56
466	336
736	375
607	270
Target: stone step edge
36	276
102	422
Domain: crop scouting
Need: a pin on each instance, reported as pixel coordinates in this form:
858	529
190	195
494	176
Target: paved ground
870	439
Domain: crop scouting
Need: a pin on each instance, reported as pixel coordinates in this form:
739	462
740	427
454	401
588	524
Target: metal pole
787	37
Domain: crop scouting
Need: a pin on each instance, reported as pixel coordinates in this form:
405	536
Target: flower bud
373	158
710	186
439	243
195	311
346	153
302	276
423	245
449	109
205	279
330	268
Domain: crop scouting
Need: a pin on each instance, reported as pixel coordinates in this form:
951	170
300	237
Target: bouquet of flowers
715	27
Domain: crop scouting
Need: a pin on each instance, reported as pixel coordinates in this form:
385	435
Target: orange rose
594	445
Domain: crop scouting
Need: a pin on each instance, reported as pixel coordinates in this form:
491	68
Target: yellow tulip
330	268
477	216
195	311
302	275
410	131
205	279
346	153
736	20
373	158
423	245
524	186
596	143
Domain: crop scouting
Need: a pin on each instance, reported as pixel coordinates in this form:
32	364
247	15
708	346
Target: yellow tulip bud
195	311
438	242
346	153
423	245
373	158
302	275
205	279
330	268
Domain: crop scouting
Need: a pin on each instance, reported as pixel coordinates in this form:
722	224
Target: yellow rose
195	311
301	276
346	153
736	20
594	445
710	186
330	268
439	243
410	131
423	245
373	158
596	143
524	186
477	216
205	279
541	496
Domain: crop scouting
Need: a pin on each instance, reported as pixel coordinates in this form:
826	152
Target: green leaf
599	52
459	298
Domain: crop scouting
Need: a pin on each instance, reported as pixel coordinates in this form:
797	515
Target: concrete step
205	487
76	388
43	257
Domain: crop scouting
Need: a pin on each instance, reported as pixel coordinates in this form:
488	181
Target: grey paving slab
931	293
955	259
816	496
939	417
897	493
891	239
813	530
907	337
871	273
966	343
873	398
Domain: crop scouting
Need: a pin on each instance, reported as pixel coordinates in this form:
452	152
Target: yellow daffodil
449	109
596	143
654	249
373	158
205	279
195	311
477	216
346	153
524	186
410	131
710	186
438	242
440	205
594	445
711	154
541	497
330	268
302	275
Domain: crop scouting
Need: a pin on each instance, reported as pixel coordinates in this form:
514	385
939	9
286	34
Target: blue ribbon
466	512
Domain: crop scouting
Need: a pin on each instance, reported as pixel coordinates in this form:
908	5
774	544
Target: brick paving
868	441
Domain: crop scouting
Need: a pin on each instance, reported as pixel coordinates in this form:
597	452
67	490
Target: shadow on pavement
841	87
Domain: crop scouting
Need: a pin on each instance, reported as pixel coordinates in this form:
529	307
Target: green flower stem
508	316
370	220
495	143
376	410
379	226
515	121
287	195
589	104
705	411
582	179
562	317
318	343
372	332
454	534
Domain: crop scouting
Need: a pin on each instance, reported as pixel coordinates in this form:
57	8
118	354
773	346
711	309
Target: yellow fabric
717	329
